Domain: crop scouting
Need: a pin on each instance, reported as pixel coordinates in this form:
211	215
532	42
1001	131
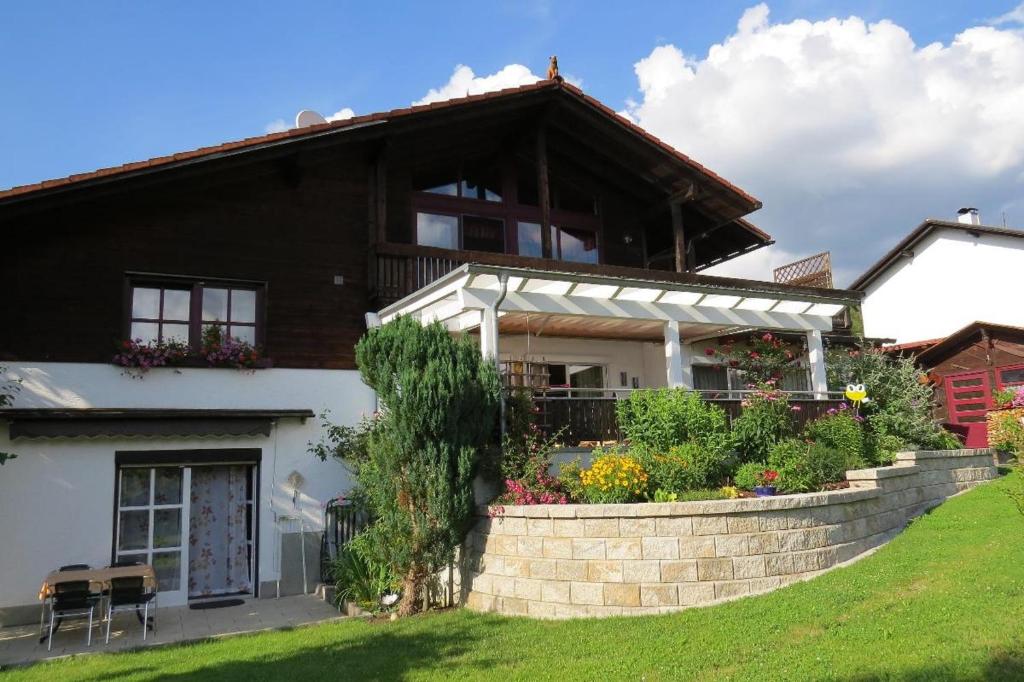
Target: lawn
944	600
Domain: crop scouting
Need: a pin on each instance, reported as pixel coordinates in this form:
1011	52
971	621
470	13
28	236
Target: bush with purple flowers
226	351
136	358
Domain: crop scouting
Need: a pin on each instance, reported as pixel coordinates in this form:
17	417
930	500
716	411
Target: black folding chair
129	594
71	600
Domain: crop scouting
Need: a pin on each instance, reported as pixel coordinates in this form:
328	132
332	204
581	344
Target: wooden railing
589	419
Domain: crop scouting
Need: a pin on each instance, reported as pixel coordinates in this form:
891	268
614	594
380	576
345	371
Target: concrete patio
21	644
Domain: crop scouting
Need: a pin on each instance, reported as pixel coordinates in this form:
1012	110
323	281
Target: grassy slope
944	600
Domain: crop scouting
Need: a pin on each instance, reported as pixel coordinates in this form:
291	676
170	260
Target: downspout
502	292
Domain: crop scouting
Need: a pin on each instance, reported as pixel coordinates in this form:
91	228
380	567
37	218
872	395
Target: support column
679	236
489	335
673	355
816	357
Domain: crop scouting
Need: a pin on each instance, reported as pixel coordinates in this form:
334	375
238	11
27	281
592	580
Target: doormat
217	604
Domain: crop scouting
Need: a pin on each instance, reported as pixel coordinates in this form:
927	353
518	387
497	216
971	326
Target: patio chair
71	600
74	567
129	594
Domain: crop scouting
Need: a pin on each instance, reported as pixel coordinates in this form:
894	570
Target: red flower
767	337
754	355
709	351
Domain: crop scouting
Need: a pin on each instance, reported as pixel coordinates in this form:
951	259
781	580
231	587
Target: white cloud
341	114
464	82
278	125
849	132
1014	16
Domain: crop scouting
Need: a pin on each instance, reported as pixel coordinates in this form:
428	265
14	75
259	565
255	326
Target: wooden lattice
813	271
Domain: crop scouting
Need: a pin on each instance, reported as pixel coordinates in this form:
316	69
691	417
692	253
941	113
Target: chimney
968	216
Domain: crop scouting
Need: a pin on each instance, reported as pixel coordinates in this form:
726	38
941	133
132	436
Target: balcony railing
588	415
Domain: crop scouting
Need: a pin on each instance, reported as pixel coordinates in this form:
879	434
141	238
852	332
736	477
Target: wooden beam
544	191
679	236
381	194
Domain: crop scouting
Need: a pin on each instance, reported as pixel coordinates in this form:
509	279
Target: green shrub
746	475
839	431
702	494
805	467
613	478
657	419
882	450
569	477
765	420
661	495
684	467
360	576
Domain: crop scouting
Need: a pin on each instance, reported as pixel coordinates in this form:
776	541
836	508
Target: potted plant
766	483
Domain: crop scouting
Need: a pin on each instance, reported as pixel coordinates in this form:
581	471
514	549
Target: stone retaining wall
560	561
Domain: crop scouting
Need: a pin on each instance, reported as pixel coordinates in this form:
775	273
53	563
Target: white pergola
487	297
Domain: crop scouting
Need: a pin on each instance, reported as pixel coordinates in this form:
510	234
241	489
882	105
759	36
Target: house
941	277
564	236
966	368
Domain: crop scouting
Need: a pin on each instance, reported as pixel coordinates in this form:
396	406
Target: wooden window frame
195	285
1000	386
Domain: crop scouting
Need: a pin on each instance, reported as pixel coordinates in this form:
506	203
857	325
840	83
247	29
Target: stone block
696	593
797	540
527	588
621	594
517	567
506	545
747	523
543	568
530	547
601	528
804	562
730	545
748	567
623	548
697	547
588	548
765	584
677	526
714	569
659	595
827	557
762	543
773	521
778	564
604	571
679	571
586	593
512	525
571	570
660	548
515	607
567	528
558	548
710	525
732	589
554	591
536	609
641	571
570	611
480	602
637	527
503	586
539	527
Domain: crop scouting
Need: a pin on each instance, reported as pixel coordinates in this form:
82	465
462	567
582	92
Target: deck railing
588	415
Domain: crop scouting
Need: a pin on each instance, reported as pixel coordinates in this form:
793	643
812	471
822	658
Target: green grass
944	600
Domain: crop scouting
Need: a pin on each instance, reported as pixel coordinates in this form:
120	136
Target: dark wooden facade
325	224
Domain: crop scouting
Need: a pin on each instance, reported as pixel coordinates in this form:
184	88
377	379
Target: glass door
151	520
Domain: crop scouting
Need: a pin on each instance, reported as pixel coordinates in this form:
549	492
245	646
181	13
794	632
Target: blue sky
87	85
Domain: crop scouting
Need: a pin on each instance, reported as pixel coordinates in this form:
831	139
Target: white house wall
952	279
56	497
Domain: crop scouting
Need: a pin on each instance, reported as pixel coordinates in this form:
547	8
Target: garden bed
566	560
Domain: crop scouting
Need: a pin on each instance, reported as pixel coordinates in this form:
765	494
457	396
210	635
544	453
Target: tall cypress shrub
439	404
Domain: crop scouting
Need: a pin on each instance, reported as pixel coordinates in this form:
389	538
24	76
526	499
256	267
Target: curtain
218	557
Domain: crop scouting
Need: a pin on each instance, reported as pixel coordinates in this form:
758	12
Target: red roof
300	133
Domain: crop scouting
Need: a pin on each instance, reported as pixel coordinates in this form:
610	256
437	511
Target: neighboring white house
941	277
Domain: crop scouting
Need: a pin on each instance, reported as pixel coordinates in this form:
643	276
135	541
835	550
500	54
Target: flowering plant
1010	397
136	358
762	359
614	478
767	477
221	351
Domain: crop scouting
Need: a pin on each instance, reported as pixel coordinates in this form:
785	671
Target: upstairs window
478	180
178	310
568	244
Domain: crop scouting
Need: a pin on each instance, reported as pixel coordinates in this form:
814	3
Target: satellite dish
307	117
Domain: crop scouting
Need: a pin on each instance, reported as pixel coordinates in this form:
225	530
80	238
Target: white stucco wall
640	359
952	279
56	498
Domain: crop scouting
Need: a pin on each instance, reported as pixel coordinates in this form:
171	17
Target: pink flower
795	408
709	351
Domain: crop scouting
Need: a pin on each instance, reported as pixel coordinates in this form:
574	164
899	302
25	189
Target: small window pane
147	332
215	305
167	528
134	487
579	246
243	305
441	231
1012	376
176	304
167	566
146	303
168	485
176	332
482	182
529	240
133	530
246	334
434	181
483	234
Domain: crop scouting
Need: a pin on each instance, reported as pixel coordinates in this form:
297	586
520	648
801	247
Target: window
160	314
1011	376
478	233
178	310
437	230
474	180
578	246
577	377
483	234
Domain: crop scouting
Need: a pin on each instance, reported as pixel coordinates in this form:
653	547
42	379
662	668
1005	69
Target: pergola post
674	360
816	357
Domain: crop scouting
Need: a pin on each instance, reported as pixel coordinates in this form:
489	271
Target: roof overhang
592	304
146	422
